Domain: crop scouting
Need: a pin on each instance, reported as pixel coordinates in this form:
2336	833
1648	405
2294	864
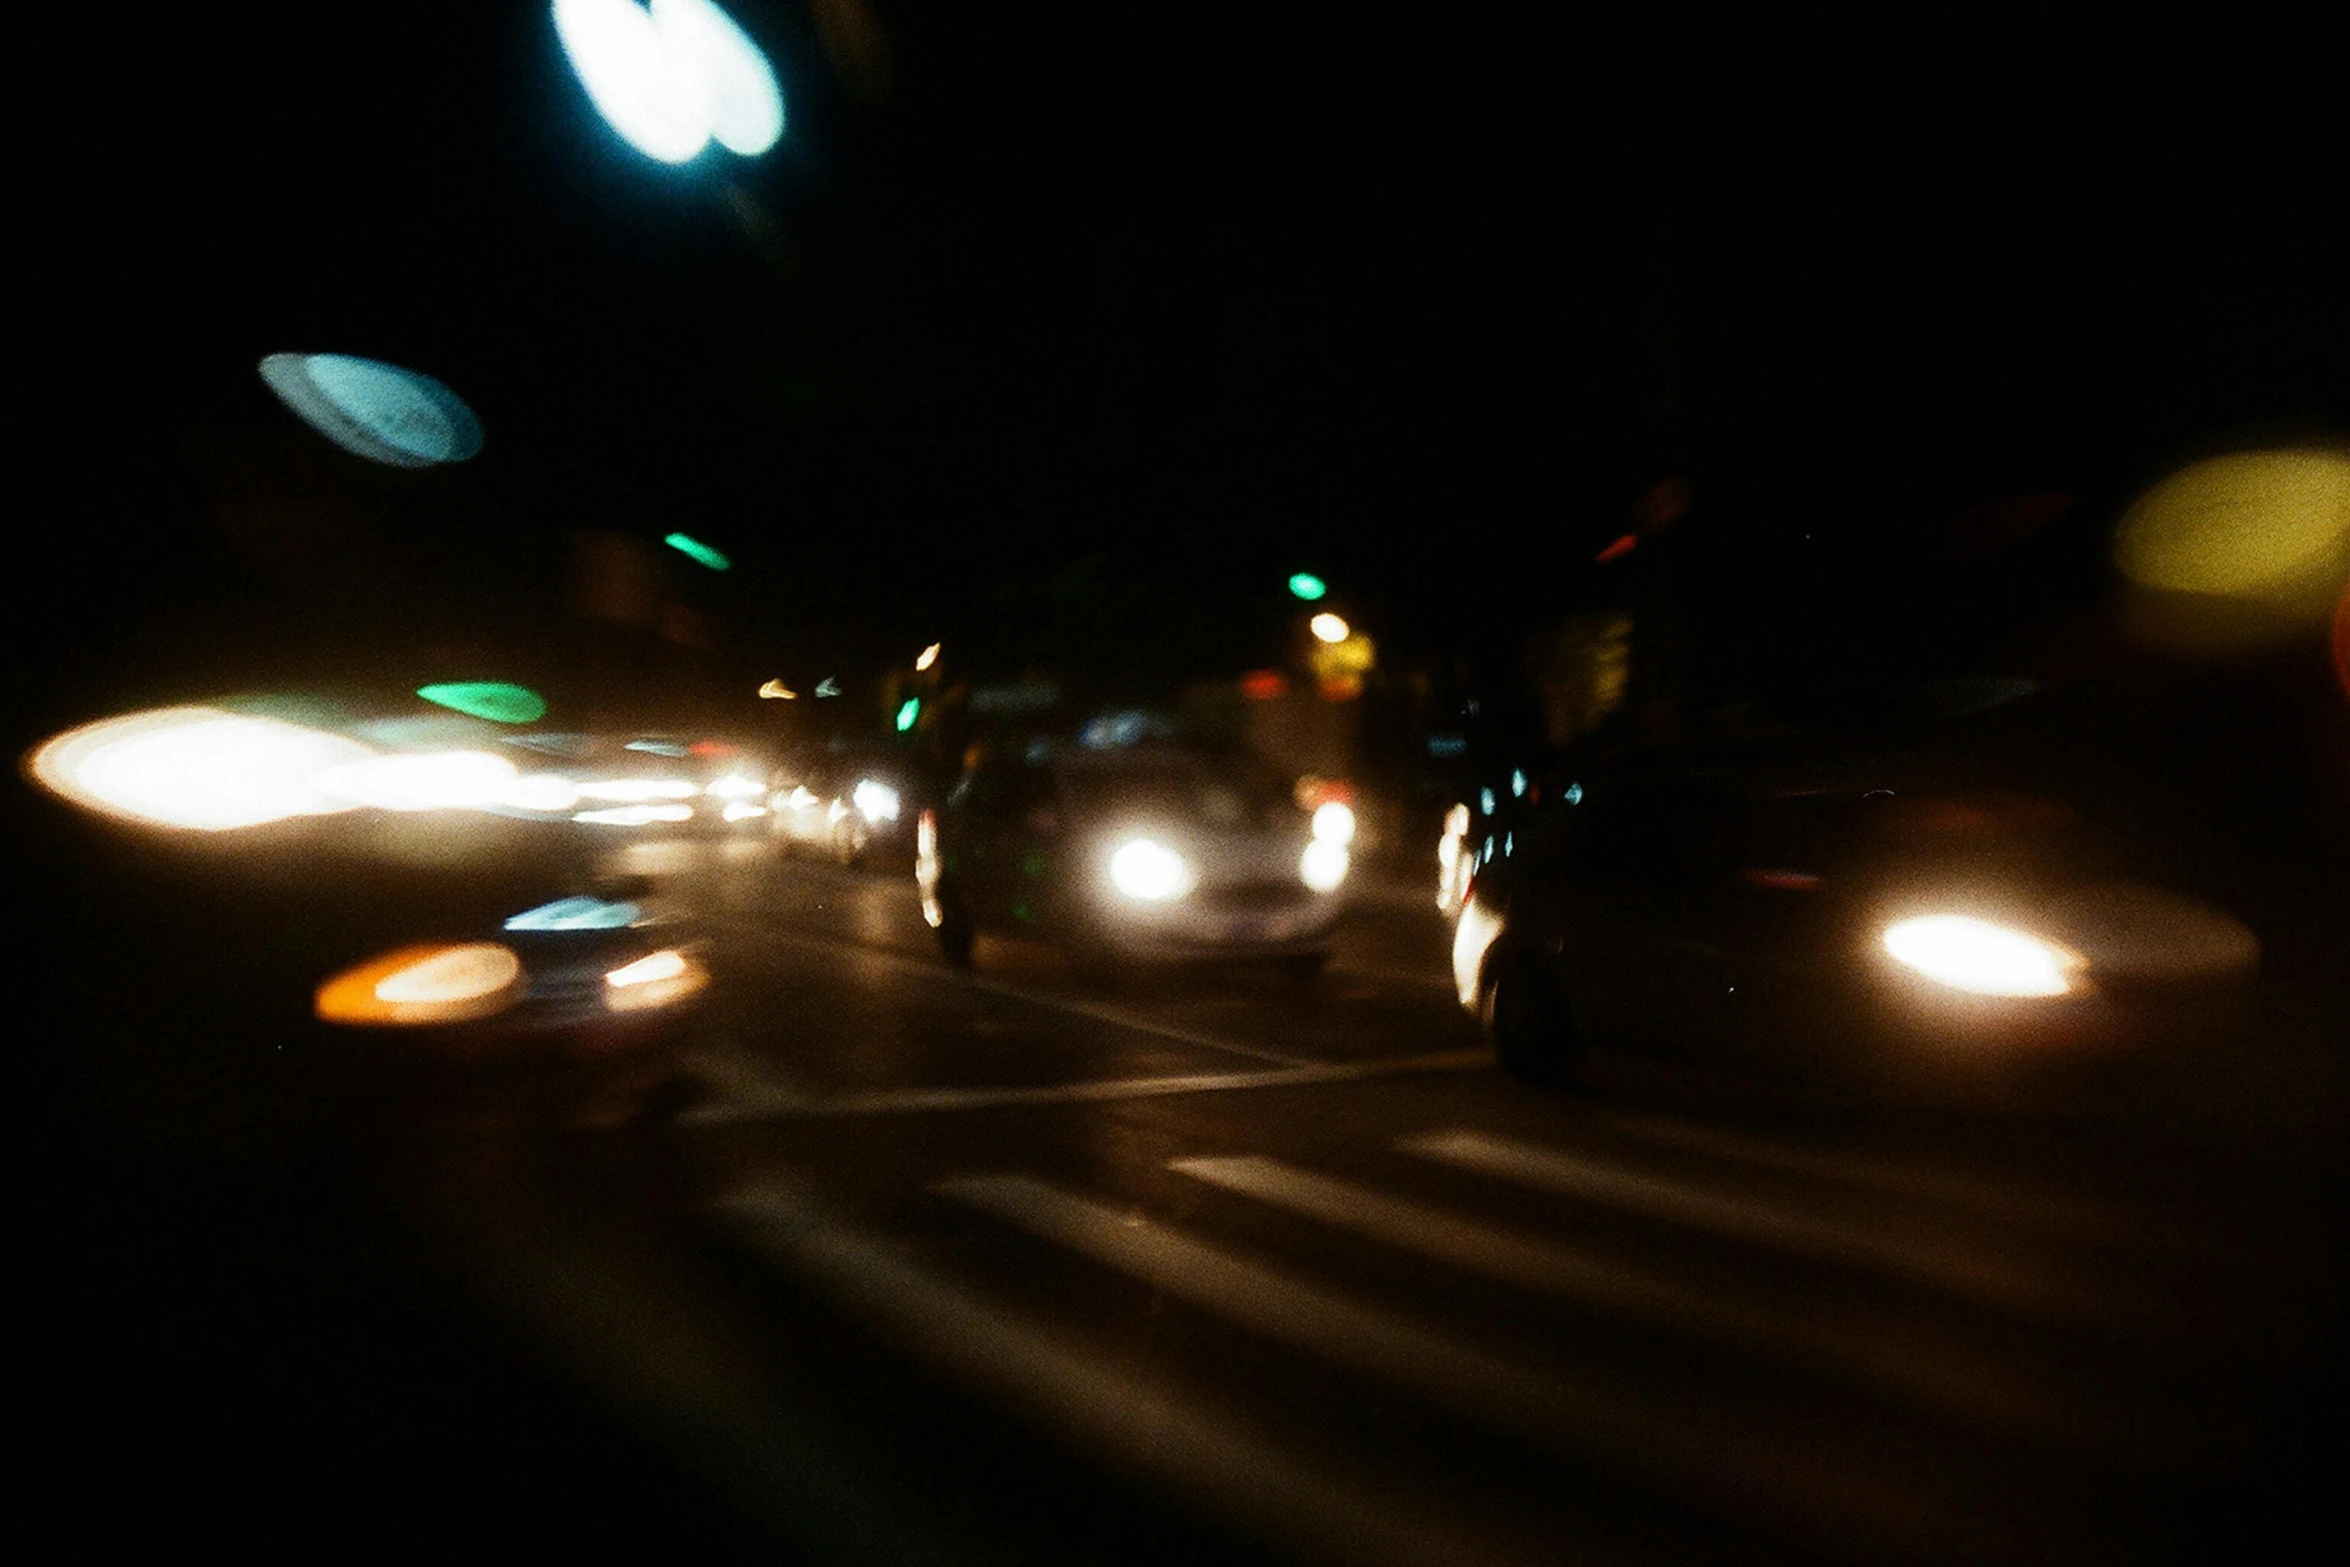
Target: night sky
1162	303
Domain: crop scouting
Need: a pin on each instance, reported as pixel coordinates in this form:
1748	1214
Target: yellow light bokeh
2267	528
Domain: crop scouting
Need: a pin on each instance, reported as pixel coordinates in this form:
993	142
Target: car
398	879
657	783
856	803
1900	923
1155	849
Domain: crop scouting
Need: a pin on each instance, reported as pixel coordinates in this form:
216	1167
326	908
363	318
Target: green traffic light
1307	586
695	549
908	711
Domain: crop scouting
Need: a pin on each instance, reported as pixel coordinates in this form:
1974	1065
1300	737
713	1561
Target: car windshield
1219	792
854	781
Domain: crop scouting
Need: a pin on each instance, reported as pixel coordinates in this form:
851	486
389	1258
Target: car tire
1532	1024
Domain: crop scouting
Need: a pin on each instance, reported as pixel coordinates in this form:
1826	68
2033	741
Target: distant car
857	804
1151	850
596	987
1873	924
656	783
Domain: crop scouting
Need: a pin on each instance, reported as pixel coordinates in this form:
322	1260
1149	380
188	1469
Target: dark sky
1418	296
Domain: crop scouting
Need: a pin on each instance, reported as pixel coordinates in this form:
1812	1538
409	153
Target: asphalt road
1038	1264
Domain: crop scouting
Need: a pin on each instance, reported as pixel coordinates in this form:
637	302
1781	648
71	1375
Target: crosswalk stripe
1213	1455
1852	1499
1884	1362
1778	1226
2008	1198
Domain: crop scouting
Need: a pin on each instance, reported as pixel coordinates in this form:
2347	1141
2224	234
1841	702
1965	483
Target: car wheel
1532	1024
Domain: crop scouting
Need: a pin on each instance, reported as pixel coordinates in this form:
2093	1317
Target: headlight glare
1334	822
1150	872
878	802
1323	865
1980	957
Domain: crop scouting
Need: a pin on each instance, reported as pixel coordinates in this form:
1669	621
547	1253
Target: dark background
1056	337
1149	307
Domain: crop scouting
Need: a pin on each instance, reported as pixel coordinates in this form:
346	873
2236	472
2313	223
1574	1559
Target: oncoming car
855	803
1866	926
1149	851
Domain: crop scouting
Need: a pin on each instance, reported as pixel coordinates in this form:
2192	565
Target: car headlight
877	801
427	984
654	981
1334	823
198	768
1150	872
1323	865
1981	958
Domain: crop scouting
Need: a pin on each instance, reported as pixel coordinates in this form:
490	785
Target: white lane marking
1117	1017
1869	1355
2007	1198
1852	1496
910	1101
1211	1454
1761	1222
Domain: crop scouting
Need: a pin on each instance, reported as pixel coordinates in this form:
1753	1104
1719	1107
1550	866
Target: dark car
1908	919
400	880
1151	850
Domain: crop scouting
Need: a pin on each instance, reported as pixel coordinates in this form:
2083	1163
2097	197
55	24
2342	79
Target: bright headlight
878	801
197	767
1981	958
1335	823
655	981
1323	865
1150	872
733	786
435	780
424	985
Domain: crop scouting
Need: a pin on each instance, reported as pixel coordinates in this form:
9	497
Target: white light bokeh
1323	866
1979	957
435	780
673	78
196	767
1150	872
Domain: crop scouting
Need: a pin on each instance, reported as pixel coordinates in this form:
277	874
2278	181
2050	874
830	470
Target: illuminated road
1196	1266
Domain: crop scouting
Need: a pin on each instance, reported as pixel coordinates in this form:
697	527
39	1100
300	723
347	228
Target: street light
1329	628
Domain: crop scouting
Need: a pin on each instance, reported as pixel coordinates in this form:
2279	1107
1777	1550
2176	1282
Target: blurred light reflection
373	410
576	914
673	78
494	700
2260	532
197	768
